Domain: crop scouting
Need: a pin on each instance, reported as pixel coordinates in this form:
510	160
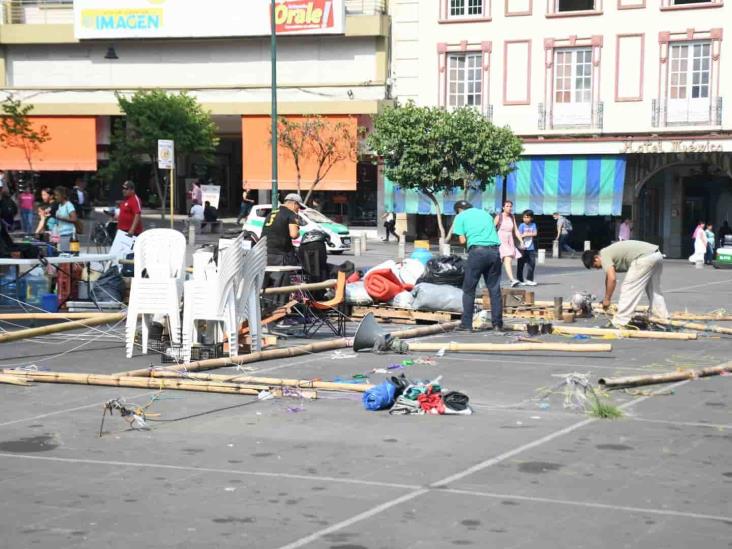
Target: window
684	2
574	5
464	79
572	86
465	8
688	82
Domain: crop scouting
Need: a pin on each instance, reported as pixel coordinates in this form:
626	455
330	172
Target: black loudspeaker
369	335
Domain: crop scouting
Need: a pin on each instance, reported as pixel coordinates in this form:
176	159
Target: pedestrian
129	221
246	206
643	264
8	208
709	233
699	236
66	219
196	192
564	228
26	201
46	212
528	232
281	228
476	231
78	197
389	218
507	235
625	229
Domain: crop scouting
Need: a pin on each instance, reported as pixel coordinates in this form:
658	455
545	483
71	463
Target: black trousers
483	261
528	259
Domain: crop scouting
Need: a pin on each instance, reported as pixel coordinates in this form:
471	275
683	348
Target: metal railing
20	12
365	7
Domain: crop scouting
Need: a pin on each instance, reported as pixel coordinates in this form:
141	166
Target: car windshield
316	217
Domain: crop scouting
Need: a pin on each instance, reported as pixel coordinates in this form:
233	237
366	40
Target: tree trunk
310	192
440	226
299	182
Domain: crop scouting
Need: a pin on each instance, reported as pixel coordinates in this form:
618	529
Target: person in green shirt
476	231
643	264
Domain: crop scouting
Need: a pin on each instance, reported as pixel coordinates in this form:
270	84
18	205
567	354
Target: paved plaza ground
230	471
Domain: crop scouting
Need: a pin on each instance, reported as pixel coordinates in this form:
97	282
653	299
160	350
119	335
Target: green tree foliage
18	132
316	139
434	150
153	115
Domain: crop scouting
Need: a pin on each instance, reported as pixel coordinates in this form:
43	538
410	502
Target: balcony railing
365	7
588	116
20	12
663	116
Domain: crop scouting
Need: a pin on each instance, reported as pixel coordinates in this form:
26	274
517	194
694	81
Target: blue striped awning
572	185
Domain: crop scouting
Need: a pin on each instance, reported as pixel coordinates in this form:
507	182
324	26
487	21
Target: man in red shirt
130	211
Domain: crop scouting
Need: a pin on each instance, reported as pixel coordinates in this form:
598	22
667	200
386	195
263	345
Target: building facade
620	103
69	58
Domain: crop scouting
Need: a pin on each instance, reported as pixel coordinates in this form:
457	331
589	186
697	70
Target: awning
572	185
72	146
257	159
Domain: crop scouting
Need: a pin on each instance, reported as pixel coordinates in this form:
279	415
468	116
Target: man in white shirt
196	212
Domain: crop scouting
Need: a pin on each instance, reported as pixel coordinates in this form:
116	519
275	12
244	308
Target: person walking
507	235
26	201
528	232
643	264
476	231
390	225
625	229
564	228
66	219
246	206
700	243
709	233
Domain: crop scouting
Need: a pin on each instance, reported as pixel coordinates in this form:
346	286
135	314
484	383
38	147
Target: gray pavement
228	471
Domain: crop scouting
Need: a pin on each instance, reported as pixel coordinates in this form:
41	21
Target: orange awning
257	159
72	146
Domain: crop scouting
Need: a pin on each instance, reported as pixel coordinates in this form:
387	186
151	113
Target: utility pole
273	51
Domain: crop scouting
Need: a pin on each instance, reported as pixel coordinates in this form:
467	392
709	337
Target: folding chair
330	313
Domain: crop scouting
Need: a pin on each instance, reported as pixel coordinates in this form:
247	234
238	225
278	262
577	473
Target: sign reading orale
672	146
95	19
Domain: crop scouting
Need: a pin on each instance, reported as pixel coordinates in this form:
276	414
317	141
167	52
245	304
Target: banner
211	194
108	19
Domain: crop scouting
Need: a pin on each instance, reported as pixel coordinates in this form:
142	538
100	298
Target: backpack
568	225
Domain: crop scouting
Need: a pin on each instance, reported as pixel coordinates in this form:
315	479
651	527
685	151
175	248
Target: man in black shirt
280	228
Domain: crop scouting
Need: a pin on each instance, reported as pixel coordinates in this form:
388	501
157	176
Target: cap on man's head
462	205
294	197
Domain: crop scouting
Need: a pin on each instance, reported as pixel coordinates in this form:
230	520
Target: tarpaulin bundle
383	284
431	401
379	397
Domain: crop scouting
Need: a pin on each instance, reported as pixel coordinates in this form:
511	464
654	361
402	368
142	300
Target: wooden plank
403	314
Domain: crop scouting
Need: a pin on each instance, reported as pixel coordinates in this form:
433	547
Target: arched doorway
674	192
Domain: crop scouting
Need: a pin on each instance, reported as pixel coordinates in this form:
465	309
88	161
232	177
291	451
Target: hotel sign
672	146
112	19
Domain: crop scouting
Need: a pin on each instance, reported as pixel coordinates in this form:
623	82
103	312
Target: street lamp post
273	50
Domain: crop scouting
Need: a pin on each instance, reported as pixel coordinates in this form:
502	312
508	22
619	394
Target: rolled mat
382	284
379	397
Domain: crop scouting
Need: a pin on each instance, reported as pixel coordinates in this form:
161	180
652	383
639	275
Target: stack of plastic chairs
211	297
248	289
157	286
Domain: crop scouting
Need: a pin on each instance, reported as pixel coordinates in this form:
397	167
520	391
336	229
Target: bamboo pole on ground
62	327
671	377
269	381
692	326
636	334
288	352
312	286
148	383
49	316
511	347
13	380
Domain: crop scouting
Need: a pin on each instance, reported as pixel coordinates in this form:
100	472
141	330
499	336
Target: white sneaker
514	283
529	283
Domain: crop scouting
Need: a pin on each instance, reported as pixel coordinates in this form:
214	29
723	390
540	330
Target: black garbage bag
445	269
109	287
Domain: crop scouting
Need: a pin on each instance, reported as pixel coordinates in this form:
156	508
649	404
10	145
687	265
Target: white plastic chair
248	290
212	299
160	254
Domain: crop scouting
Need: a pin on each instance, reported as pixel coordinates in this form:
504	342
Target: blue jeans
26	221
482	261
563	246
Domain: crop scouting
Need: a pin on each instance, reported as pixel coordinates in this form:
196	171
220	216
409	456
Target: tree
433	150
315	138
153	115
17	131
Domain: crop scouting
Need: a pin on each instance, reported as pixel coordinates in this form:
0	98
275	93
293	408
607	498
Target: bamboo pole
48	316
638	381
13	380
269	381
635	334
63	327
313	286
272	354
148	383
692	326
511	347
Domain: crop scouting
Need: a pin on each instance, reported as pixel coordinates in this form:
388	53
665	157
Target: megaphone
369	335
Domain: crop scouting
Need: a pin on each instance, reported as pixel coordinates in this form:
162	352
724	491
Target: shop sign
672	146
94	19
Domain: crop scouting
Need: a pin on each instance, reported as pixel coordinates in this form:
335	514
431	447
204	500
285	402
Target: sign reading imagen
107	19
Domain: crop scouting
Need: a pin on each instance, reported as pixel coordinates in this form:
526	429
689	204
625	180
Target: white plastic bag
356	294
403	300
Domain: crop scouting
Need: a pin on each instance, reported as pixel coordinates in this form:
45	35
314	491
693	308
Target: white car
340	238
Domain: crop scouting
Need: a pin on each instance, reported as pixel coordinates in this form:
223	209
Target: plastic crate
206	352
